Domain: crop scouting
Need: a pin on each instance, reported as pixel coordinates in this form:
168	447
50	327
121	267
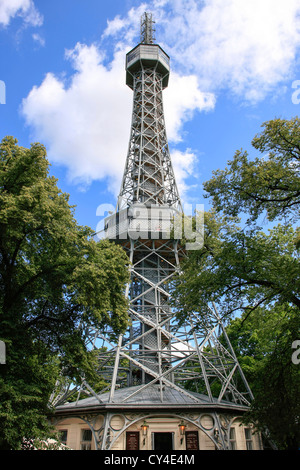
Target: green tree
53	277
268	183
254	273
262	342
238	269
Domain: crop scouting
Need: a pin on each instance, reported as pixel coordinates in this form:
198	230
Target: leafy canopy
268	183
262	342
239	269
253	275
53	278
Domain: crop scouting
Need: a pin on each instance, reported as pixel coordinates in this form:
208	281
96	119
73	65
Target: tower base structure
144	423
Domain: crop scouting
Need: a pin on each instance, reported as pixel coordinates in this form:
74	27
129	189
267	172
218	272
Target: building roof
149	397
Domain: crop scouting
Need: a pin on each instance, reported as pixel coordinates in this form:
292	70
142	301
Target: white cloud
24	8
129	25
184	165
182	99
114	26
85	125
245	47
39	39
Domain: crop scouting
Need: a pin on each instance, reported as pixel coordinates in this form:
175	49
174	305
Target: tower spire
148	176
147	29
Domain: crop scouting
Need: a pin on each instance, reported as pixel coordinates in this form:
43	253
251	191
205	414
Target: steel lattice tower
156	353
159	351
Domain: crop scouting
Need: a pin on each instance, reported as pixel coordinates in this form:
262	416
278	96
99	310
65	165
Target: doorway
162	440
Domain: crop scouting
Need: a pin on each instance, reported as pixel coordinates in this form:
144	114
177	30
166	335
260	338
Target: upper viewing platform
147	54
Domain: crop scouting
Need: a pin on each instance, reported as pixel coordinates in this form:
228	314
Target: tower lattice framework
190	358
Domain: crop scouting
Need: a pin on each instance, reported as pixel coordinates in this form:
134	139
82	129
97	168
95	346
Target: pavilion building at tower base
143	422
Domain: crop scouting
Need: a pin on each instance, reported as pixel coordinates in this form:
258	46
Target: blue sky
234	64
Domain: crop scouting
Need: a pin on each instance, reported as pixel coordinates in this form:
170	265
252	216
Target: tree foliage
53	277
268	183
262	342
239	269
254	274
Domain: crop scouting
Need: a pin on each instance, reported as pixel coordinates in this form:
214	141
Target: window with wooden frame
232	439
63	434
248	438
86	439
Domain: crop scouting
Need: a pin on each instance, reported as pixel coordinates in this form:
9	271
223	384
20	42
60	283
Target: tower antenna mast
147	29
